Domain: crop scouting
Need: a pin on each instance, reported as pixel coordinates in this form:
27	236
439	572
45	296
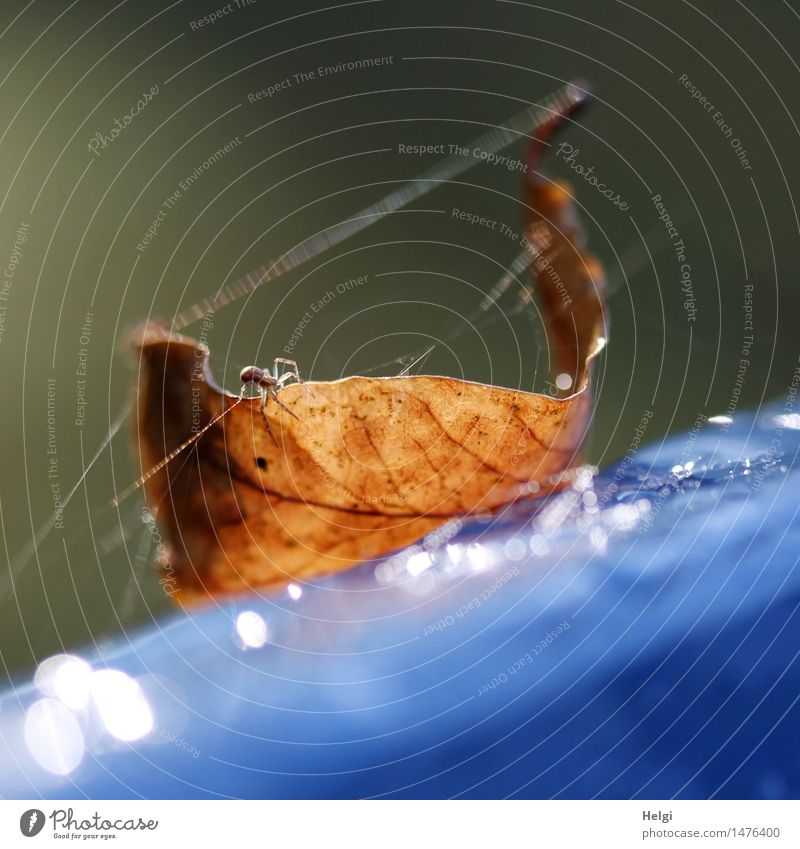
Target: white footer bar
402	824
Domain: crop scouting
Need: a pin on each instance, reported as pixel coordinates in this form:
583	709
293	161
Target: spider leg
263	410
280	403
293	371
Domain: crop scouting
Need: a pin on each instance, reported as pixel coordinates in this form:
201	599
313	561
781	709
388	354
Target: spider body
268	383
257	377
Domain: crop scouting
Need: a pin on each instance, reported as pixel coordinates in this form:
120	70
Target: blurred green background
317	151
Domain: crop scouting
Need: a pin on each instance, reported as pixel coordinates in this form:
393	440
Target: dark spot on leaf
261	463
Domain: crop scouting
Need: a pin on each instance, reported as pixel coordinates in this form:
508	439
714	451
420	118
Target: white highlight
791	421
66	678
516	549
418	563
563	381
53	736
121	704
478	556
455	552
252	629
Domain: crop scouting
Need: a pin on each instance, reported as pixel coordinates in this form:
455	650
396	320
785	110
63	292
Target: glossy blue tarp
634	636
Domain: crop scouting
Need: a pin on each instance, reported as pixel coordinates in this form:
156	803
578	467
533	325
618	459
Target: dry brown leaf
369	464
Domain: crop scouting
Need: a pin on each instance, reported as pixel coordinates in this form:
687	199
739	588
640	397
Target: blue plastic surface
635	636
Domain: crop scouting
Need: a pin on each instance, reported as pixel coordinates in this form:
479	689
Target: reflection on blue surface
637	635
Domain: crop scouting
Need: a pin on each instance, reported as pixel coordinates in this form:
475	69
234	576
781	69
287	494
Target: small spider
268	385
